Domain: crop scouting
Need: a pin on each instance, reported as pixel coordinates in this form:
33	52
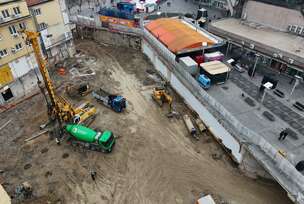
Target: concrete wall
251	168
117	39
272	16
23	65
22	86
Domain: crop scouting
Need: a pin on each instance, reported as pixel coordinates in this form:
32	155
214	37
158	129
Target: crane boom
33	38
61	108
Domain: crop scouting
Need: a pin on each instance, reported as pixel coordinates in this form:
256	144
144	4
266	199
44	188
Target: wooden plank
35	136
5	124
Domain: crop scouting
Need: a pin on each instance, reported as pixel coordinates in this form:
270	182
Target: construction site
133	106
155	159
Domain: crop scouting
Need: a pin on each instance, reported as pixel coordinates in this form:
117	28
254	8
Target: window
16	10
3	53
42	26
36	12
5	13
22	26
12	30
7	94
18	46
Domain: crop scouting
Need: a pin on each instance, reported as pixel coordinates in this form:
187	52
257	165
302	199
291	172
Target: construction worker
283	135
93	175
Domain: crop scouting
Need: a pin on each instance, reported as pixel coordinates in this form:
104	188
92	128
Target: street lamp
297	82
255	64
267	86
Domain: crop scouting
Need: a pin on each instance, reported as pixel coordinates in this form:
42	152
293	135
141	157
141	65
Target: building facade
17	61
52	21
227	5
18	66
267	35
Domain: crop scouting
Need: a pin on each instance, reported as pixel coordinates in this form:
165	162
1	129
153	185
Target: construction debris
201	126
192	130
84	72
5	124
35	136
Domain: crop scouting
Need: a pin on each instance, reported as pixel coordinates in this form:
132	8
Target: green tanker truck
90	139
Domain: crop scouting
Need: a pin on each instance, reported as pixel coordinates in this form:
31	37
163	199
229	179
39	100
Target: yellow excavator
161	96
58	107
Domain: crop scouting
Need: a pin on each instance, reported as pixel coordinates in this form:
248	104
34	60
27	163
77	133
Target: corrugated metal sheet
6	75
176	35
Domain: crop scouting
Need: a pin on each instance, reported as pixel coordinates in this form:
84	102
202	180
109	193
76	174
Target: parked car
239	68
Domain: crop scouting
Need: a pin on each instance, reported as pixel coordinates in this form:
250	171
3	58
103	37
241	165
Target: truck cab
204	81
118	103
106	140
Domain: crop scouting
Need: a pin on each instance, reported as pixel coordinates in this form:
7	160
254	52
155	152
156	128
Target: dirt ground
154	160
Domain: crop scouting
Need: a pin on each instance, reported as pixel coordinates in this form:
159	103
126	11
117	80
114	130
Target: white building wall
272	16
25	71
23	65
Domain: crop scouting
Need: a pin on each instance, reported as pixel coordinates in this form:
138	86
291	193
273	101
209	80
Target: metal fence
280	168
96	24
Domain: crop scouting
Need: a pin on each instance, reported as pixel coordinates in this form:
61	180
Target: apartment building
17	61
52	21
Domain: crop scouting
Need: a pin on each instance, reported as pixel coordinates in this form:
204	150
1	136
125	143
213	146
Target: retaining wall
117	39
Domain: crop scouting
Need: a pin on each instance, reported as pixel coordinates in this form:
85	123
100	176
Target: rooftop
7	1
265	39
215	67
36	2
177	35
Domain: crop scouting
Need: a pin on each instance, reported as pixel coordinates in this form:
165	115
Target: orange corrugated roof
176	35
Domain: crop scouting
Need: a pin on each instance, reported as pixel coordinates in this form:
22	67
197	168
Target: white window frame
12	28
22	25
17	9
42	26
5	13
18	47
2	51
37	12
